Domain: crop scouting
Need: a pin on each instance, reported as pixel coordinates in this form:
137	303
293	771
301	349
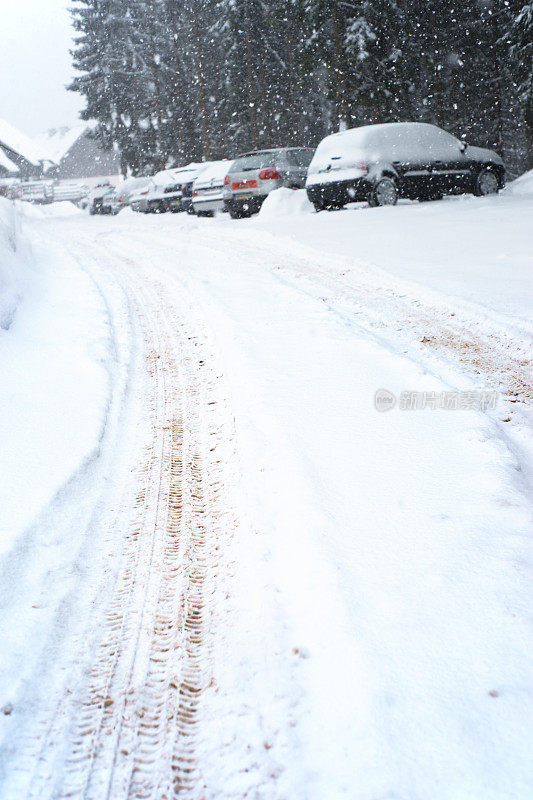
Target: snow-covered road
247	582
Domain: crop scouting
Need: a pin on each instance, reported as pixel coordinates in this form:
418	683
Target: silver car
130	188
253	176
207	197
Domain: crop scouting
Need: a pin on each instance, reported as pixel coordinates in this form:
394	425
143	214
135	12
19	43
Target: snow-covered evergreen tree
170	81
521	50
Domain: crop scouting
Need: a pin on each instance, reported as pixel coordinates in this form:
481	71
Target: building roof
6	163
20	144
56	142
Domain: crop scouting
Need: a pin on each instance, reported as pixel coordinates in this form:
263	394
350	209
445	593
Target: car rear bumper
211	204
339	192
250	205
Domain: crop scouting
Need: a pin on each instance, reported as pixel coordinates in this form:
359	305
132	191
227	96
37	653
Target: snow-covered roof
20	143
56	142
6	163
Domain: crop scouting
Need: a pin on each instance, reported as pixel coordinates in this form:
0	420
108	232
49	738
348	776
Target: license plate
243	196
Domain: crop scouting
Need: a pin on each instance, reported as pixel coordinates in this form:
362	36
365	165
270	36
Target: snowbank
522	185
13	264
63	208
285	202
54	354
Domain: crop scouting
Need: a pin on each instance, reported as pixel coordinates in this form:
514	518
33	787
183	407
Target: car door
407	151
450	168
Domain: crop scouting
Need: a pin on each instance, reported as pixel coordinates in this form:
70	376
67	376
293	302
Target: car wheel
235	213
319	205
487	182
384	193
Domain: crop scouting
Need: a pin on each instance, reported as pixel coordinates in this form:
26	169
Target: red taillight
226	180
361	165
269	175
194	193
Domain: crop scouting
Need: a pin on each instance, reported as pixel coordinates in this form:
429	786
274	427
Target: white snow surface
285	202
377	644
214	171
20	143
55	143
54	385
522	185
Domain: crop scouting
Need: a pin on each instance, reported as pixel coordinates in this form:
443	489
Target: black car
381	163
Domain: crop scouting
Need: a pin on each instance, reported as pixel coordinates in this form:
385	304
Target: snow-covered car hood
482	154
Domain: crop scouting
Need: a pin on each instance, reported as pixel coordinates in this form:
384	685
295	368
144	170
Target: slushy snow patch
285	203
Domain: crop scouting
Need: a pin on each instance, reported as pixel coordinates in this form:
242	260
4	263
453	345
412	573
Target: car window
299	158
440	144
254	161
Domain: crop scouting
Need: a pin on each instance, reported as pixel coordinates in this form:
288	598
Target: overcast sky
35	65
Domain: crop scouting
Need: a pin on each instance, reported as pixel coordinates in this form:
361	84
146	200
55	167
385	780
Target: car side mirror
463	147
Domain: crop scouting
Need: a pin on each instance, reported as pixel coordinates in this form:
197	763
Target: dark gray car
381	163
252	176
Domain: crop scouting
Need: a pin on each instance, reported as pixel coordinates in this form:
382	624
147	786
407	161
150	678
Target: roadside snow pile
13	264
285	202
63	208
54	368
522	185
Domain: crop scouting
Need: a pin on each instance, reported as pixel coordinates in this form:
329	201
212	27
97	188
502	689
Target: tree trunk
201	81
249	76
338	70
529	132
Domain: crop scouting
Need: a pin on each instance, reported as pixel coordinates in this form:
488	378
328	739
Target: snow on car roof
215	171
189	172
393	140
165	177
131	183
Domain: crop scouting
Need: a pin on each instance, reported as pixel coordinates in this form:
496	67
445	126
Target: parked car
127	189
94	202
169	190
207	189
164	193
186	177
254	175
138	200
381	163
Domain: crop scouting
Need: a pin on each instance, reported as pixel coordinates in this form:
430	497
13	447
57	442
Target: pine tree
521	51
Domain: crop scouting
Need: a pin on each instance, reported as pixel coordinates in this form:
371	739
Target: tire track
131	729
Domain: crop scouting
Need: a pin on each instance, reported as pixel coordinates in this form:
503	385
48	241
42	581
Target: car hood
483	154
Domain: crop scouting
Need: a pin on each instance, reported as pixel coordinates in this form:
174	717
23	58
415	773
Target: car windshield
253	161
300	158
